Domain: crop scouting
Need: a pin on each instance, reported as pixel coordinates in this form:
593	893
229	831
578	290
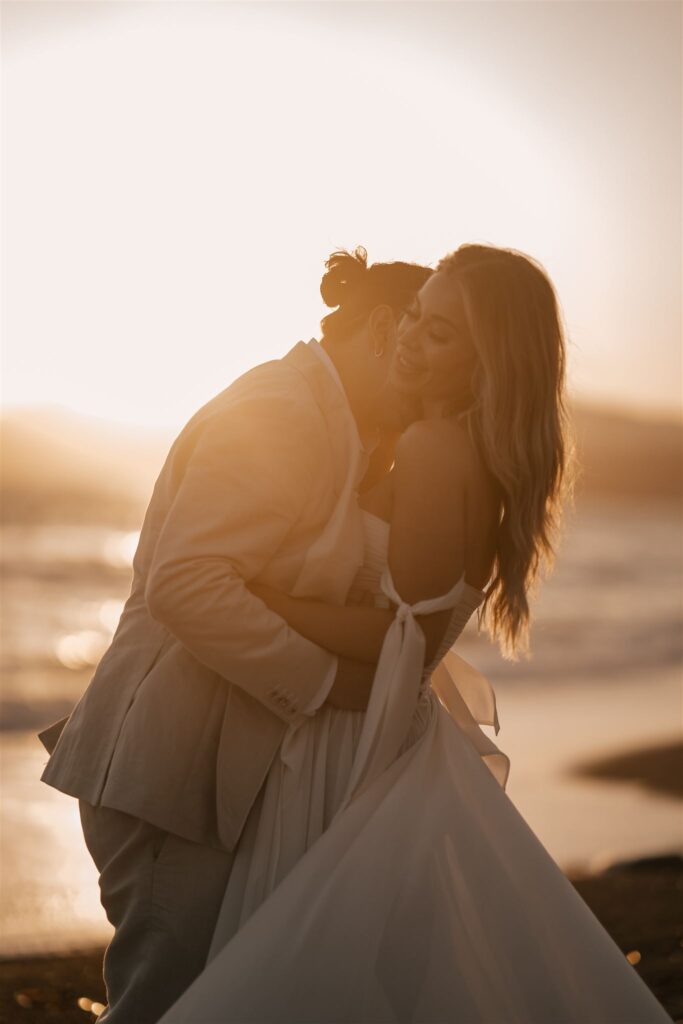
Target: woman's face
434	356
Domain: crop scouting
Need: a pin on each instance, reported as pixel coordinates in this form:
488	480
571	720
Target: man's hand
352	685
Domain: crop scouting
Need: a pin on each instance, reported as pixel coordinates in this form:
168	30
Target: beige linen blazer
190	703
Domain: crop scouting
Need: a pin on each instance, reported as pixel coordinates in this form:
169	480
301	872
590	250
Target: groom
169	747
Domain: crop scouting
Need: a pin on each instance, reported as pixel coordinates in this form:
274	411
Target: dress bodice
367	580
376	545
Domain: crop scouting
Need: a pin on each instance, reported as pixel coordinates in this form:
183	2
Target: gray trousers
162	895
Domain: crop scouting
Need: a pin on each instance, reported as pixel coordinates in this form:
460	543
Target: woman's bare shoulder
436	449
445	509
438	461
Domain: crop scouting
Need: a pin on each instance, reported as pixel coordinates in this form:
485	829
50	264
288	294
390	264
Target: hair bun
345	272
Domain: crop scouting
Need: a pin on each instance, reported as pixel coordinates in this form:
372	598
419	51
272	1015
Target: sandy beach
639	902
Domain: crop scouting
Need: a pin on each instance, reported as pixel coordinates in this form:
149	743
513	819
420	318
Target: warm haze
175	175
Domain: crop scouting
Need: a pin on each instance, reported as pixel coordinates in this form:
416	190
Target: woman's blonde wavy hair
518	420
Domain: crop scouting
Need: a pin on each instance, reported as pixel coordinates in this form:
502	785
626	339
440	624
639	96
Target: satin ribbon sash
463	691
470	700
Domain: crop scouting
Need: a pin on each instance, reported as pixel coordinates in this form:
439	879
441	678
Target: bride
385	875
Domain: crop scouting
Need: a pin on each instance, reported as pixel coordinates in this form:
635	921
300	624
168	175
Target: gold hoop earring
379	352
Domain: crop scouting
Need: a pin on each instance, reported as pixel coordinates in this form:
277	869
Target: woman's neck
439	408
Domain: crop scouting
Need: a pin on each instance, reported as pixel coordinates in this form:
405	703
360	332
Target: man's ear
382	327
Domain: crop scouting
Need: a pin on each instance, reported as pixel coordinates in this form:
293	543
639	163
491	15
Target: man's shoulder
275	378
276	383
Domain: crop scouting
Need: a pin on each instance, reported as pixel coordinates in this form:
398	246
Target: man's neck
368	431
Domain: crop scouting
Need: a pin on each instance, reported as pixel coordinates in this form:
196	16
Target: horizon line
664	413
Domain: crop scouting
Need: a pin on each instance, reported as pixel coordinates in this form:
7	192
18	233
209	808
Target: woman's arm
427	538
426	550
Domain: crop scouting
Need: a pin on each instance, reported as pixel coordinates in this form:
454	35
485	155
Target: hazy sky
174	175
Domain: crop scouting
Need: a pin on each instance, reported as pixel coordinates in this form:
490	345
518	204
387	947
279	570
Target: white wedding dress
385	876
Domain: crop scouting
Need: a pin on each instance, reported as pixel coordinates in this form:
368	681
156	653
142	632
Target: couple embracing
280	771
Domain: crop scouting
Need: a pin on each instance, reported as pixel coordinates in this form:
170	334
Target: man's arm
355	632
246	483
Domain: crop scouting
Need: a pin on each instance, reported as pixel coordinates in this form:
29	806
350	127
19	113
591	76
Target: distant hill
57	465
626	456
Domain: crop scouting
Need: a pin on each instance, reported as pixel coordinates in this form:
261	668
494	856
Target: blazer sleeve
247	481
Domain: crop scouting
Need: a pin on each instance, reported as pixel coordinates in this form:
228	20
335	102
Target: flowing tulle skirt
302	793
428	899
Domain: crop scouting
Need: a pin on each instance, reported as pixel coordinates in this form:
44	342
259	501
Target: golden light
181	238
110	613
80	650
119	548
